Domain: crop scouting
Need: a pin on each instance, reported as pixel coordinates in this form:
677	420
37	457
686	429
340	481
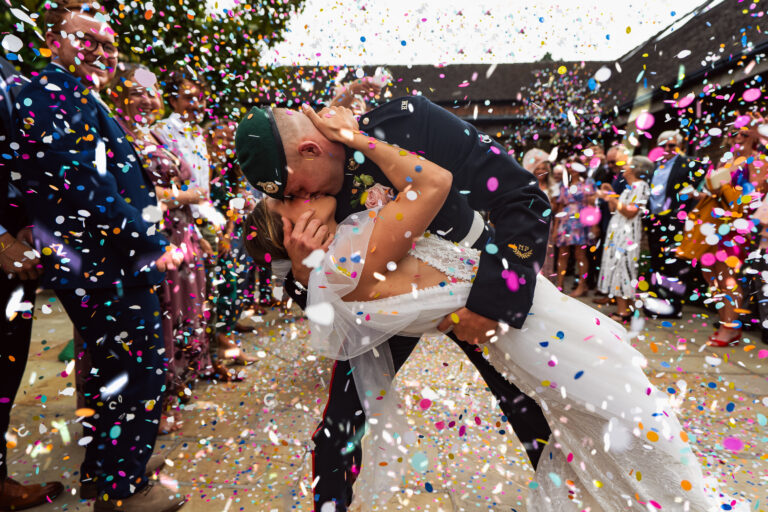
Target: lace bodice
447	257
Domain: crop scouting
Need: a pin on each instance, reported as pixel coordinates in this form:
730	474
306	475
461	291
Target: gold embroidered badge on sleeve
521	251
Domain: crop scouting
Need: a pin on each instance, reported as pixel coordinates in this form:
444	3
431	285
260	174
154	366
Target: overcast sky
470	31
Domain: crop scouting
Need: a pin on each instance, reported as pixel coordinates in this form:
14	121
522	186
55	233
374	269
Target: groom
284	155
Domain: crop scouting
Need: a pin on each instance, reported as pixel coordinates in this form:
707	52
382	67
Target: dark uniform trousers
122	336
337	454
15	335
670	274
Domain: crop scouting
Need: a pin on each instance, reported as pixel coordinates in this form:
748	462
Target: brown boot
14	496
154	497
89	490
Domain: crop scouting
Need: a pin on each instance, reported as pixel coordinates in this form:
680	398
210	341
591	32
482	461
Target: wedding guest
673	185
576	194
101	253
231	198
182	293
536	161
734	184
182	129
621	253
19	272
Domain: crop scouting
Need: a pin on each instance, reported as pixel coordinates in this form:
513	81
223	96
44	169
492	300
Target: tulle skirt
616	443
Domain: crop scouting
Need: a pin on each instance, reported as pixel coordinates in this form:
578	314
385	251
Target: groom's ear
310	149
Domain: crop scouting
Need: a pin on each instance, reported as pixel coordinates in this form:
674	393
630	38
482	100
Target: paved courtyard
245	446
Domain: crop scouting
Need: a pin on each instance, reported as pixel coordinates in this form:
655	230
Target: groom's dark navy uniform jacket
485	178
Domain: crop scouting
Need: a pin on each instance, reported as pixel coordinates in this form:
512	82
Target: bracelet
5	248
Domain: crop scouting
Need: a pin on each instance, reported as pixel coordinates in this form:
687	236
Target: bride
616	442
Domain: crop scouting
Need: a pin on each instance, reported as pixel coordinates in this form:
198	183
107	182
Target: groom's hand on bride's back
468	326
301	239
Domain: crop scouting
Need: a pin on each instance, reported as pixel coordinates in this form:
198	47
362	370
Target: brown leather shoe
89	490
15	496
154	497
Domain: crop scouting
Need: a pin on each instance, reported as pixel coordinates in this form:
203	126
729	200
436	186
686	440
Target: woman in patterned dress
576	203
621	254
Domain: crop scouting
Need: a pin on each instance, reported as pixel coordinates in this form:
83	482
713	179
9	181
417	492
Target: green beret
260	152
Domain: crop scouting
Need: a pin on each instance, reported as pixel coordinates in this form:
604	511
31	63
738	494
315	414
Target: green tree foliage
220	45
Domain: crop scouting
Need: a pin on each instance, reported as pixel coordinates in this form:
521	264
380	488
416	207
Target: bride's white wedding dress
616	443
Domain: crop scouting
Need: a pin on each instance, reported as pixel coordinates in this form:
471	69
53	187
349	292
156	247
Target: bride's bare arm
422	185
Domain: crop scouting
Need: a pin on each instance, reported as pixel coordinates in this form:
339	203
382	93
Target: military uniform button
366	120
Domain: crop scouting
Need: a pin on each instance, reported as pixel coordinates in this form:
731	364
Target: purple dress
182	294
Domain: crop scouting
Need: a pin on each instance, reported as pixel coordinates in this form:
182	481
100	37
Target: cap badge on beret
269	187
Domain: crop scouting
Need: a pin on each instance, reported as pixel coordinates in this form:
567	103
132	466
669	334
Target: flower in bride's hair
378	195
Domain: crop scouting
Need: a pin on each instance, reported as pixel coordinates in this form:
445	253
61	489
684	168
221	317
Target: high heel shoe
717	342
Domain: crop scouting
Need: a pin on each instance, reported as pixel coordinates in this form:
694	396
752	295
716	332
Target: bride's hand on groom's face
301	239
338	124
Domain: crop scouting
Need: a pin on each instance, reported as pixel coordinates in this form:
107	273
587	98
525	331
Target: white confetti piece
320	313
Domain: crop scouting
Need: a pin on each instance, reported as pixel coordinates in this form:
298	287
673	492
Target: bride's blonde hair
263	232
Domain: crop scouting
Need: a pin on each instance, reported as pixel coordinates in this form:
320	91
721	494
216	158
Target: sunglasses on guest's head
668	145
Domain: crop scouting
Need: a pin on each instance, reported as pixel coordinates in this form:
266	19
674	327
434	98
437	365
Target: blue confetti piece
428	487
578	374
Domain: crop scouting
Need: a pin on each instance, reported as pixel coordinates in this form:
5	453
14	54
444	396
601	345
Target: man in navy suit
673	194
93	212
18	280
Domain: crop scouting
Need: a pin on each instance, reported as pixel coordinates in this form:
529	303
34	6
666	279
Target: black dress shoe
675	314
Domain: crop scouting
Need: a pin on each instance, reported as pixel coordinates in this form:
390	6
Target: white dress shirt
186	140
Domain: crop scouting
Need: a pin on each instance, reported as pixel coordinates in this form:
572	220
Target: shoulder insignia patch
521	251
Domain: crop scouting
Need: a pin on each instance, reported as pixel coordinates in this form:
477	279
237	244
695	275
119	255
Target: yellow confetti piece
562	70
454	318
597	483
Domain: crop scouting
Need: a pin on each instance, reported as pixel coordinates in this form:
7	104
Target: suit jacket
12	214
485	178
84	187
685	176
